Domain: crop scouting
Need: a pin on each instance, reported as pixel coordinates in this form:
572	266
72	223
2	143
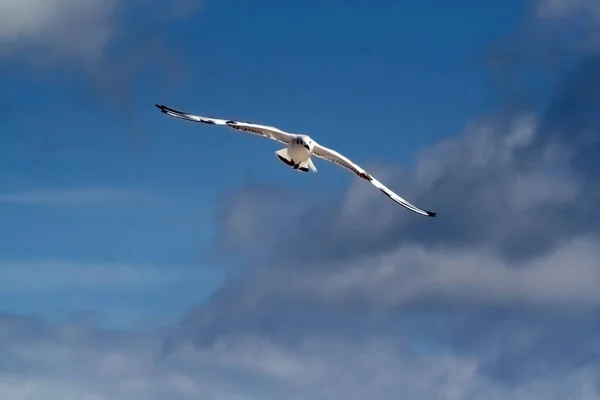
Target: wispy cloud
565	8
48	26
40	276
86	196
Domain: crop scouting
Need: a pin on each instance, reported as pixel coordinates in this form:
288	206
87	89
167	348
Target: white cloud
567	276
410	276
483	145
78	29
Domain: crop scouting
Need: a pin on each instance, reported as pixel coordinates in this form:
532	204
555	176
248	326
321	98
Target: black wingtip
164	108
431	214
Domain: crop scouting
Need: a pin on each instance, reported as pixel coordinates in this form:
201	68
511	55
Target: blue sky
374	80
170	260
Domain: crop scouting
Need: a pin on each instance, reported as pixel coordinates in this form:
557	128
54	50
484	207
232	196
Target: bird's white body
299	151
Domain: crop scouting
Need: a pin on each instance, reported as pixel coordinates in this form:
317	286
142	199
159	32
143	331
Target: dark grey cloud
546	43
572	116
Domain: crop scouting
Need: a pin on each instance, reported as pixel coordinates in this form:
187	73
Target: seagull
298	151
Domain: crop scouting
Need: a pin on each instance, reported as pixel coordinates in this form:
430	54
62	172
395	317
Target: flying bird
298	151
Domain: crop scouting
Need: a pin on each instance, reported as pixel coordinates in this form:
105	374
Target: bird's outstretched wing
336	158
259	130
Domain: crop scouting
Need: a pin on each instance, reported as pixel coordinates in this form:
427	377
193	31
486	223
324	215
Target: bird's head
305	141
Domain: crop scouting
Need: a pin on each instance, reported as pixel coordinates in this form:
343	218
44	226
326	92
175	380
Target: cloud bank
74	362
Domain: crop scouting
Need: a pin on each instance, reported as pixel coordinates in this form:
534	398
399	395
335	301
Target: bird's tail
308	164
304	166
